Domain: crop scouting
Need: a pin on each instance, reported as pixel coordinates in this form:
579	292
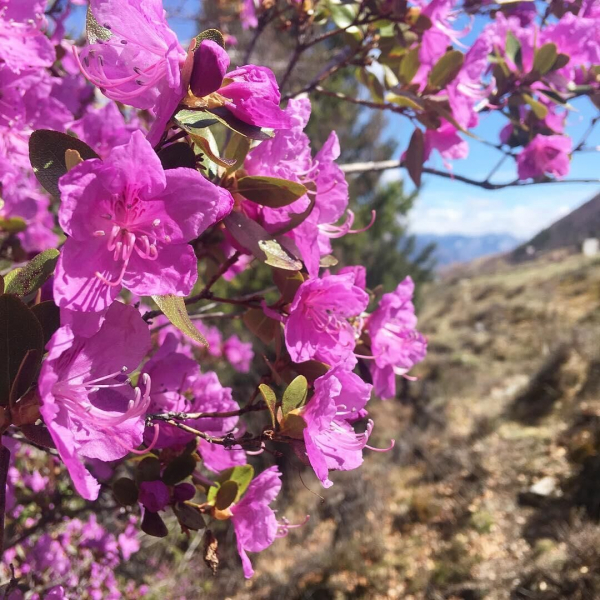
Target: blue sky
452	207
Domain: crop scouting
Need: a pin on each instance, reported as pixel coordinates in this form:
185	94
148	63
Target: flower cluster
143	337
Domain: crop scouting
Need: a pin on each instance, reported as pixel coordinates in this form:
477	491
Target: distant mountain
455	248
567	233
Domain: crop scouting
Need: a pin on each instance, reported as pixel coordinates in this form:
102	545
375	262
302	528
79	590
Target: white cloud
521	212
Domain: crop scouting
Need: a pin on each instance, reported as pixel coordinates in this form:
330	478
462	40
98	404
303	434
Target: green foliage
175	310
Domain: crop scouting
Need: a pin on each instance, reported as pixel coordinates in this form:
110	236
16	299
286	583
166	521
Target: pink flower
446	141
210	65
88	405
248	14
330	441
128	223
253	520
545	154
239	354
103	128
318	327
395	344
255	97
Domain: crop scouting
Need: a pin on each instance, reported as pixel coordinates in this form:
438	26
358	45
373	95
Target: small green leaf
287	283
177	155
539	110
415	156
410	65
513	50
260	325
205	146
34	274
20	332
562	60
93	30
214	35
242	475
226	495
293	425
153	525
12	224
311	369
237	150
405	99
250	235
227	118
544	59
178	469
125	491
343	14
270	191
173	307
446	69
48	314
189	516
47	156
295	395
277	256
270	400
327	261
148	469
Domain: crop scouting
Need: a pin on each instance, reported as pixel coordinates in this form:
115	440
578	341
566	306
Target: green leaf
293	426
205	145
343	14
93	30
237	150
242	475
47	156
177	155
12	224
405	100
260	325
562	60
446	69
295	395
25	375
189	516
287	283
226	495
260	243
190	120
544	59
513	50
270	400
173	307
311	369
227	118
214	35
20	332
270	191
34	274
48	314
539	110
327	261
125	491
410	65
415	156
148	469
178	469
153	525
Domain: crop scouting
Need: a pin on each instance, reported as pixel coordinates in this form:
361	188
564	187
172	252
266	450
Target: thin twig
183	416
4	465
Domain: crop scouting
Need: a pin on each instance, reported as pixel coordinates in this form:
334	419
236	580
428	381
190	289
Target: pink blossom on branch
129	223
545	154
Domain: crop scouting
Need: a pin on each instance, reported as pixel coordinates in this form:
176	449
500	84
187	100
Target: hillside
568	232
456	248
493	489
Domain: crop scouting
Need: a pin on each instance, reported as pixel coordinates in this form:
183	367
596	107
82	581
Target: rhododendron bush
147	184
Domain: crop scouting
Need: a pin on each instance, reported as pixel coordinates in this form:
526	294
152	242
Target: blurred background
493	488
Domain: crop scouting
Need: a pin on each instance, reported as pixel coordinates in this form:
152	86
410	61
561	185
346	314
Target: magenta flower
141	59
330	442
88	405
128	223
239	354
318	326
103	128
248	14
253	520
395	343
255	97
210	65
545	154
447	142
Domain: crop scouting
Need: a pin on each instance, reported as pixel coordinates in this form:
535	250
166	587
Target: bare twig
4	465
